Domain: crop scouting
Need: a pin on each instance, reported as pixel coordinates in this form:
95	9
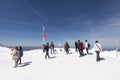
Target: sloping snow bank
4	50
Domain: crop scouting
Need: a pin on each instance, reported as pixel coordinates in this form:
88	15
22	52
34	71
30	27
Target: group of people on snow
46	48
79	47
17	53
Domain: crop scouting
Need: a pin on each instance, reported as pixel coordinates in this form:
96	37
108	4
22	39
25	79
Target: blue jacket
21	53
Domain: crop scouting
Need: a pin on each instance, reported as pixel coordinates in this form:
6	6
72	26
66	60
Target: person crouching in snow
98	49
15	55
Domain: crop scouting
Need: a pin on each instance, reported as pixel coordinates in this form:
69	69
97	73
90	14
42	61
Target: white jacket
86	44
97	47
15	54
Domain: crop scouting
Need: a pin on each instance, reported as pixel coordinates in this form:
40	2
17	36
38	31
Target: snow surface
60	66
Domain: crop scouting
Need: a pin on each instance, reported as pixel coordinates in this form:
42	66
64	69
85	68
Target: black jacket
47	47
79	45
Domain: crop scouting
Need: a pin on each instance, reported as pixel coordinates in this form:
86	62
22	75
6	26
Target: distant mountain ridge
1	45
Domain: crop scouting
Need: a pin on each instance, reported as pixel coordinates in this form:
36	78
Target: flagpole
117	48
43	40
44	35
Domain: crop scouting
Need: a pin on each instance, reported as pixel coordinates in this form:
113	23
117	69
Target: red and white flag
44	33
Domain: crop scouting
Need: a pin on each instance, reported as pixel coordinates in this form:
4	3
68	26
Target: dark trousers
67	51
81	52
20	60
87	50
76	49
97	55
47	54
43	50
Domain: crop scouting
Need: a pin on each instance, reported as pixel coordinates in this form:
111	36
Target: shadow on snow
25	64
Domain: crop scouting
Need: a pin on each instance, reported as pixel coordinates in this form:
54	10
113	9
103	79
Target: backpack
45	47
67	46
83	47
88	45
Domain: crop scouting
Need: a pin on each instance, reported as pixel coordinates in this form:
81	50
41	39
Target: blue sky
21	21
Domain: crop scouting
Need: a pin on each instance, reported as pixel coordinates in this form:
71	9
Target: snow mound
4	50
60	66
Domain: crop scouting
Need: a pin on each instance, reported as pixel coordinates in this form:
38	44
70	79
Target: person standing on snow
87	46
76	46
20	51
43	47
66	47
52	48
47	50
15	55
80	48
97	47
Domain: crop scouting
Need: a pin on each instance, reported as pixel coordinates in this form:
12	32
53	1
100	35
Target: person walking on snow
97	47
15	55
47	50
